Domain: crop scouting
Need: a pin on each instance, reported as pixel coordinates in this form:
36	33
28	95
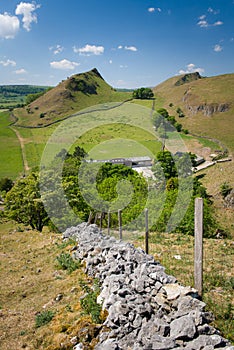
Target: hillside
206	102
71	95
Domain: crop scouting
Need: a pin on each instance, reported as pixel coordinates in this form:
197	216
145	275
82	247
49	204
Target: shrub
44	317
66	262
89	303
225	189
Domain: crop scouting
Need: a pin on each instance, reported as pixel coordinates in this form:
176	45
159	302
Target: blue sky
132	43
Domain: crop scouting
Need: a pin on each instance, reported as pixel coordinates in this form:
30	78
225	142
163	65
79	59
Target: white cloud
89	50
110	61
8	63
120	47
123	66
56	49
218	23
203	23
191	68
27	11
218	48
9	26
202	17
130	48
20	71
64	64
153	9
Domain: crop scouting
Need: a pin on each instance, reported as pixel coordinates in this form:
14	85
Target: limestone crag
147	309
208	109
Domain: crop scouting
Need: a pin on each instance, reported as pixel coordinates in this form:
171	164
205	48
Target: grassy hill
71	95
206	102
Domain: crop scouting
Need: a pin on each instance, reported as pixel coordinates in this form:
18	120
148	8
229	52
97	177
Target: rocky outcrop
208	109
229	200
187	78
147	309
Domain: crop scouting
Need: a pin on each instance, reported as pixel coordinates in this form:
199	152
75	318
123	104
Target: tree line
24	204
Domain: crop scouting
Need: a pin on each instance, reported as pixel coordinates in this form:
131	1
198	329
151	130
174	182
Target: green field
11	163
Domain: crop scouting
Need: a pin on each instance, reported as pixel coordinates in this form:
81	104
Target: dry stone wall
147	309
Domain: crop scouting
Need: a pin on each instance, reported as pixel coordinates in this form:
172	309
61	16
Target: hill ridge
74	94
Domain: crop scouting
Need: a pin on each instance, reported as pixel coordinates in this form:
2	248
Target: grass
30	282
28	270
217	89
213	180
118	140
68	101
10	151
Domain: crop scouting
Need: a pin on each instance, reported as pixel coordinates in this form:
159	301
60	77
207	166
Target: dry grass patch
32	284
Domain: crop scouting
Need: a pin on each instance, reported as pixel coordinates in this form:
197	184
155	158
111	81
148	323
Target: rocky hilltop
71	95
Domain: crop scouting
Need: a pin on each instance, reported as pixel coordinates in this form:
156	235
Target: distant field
11	164
124	141
15	95
113	140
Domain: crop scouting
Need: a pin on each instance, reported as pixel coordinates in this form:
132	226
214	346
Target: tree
163	112
167	164
79	152
143	93
180	112
6	184
23	202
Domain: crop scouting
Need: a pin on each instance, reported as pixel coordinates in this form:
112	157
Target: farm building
132	162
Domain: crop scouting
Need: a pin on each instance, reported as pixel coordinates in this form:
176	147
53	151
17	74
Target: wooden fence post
90	218
120	223
198	245
108	222
95	219
100	223
146	231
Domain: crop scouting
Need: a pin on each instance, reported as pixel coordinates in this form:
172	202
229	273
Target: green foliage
167	163
23	202
180	112
166	170
44	318
66	262
34	96
168	122
76	83
107	181
6	184
89	303
79	152
163	112
143	93
225	189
